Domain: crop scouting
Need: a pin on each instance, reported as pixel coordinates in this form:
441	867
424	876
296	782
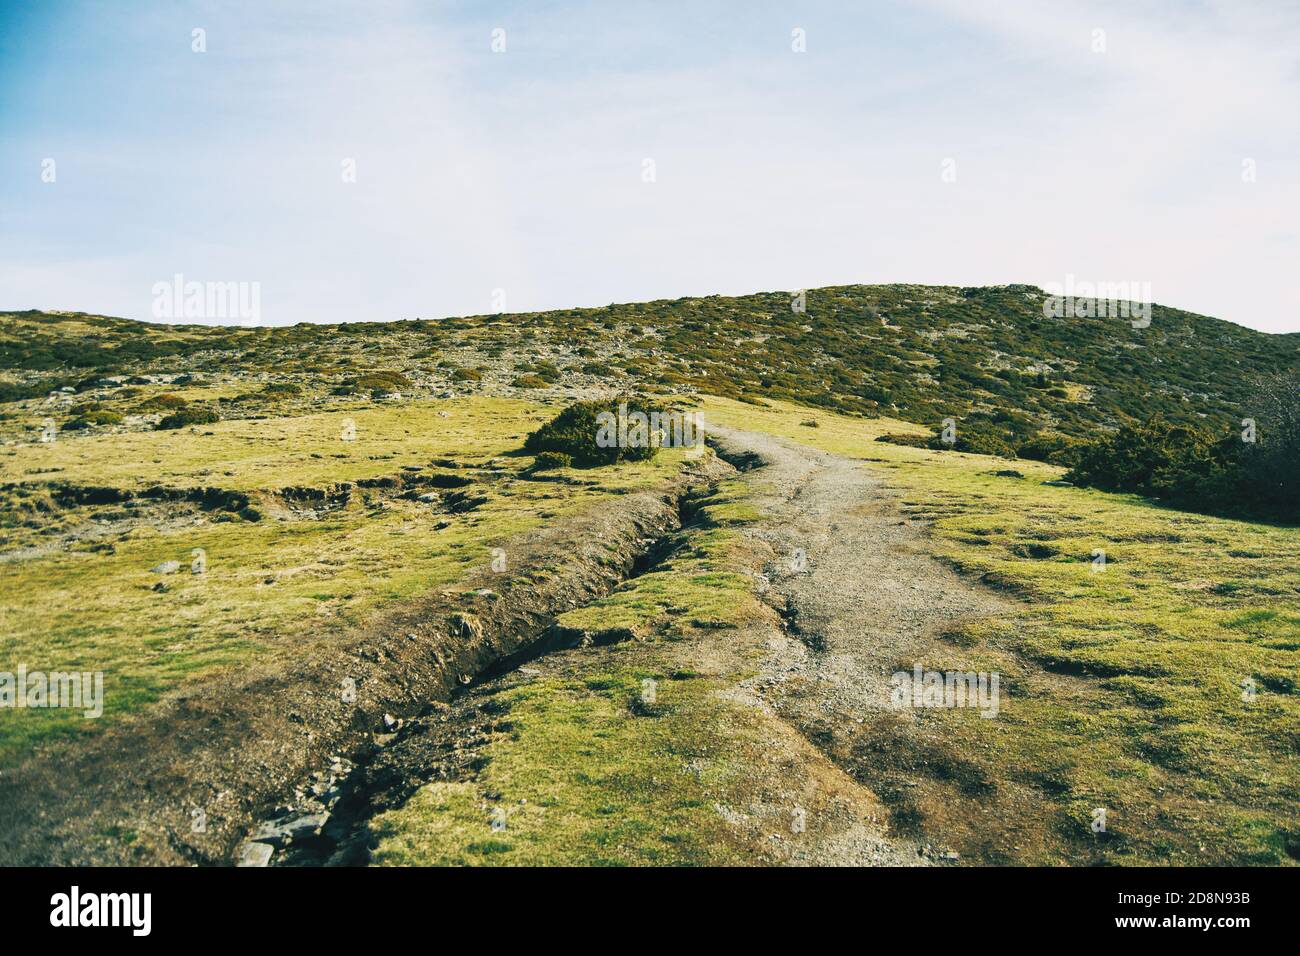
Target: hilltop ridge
919	353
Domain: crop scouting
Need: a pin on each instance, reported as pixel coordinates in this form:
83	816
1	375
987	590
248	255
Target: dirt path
862	599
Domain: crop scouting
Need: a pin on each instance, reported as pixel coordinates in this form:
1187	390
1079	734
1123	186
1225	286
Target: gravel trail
854	580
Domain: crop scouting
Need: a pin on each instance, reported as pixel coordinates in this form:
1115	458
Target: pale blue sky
522	170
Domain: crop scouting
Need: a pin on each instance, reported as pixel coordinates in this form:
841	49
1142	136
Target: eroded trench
327	823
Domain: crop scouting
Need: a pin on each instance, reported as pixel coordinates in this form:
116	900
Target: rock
167	567
391	724
280	833
253	854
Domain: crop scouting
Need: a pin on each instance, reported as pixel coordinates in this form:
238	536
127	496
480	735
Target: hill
919	353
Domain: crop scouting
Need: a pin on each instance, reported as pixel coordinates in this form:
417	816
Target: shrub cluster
1188	466
188	416
573	433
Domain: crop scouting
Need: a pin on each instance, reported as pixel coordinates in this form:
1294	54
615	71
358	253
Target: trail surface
861	595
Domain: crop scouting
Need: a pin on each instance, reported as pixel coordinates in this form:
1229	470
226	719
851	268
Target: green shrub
1190	467
975	442
548	371
93	416
282	388
547	460
189	416
1158	459
1051	447
466	375
911	441
374	383
530	381
162	402
576	430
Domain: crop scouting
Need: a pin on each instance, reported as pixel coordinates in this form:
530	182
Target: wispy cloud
523	170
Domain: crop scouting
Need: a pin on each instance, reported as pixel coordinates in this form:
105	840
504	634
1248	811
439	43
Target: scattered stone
167	567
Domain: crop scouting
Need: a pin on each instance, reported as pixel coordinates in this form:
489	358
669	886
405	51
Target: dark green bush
189	416
1188	466
93	416
530	381
1051	447
911	441
547	460
975	442
574	433
1156	458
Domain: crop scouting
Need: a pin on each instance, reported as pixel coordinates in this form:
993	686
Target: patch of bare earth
861	599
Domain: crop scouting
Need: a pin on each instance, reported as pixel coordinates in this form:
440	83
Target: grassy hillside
920	353
329	472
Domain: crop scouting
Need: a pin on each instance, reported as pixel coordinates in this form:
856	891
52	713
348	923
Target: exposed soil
861	598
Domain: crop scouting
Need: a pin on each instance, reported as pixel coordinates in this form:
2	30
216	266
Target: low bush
530	381
547	460
93	416
1051	447
584	433
374	383
1251	473
188	416
164	402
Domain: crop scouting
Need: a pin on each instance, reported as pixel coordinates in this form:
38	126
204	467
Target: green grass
586	773
272	585
584	776
699	586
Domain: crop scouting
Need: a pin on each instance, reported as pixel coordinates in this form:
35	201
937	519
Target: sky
643	150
